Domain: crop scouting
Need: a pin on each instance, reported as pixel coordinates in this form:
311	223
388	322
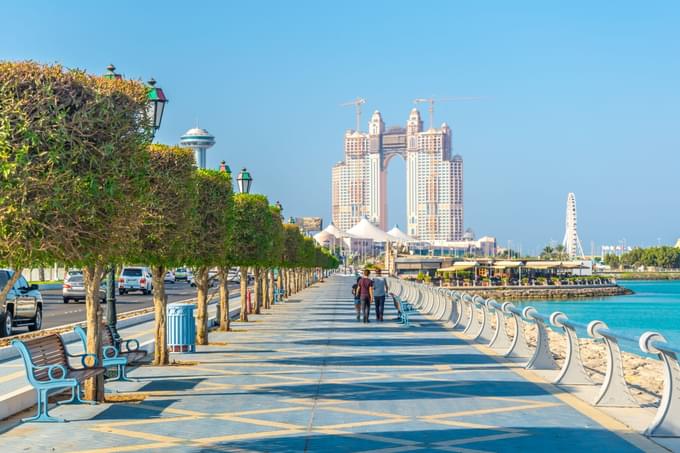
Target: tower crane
431	101
357	108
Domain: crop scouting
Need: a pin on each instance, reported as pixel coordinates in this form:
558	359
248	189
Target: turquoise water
654	306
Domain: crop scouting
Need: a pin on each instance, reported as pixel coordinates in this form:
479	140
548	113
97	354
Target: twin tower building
434	179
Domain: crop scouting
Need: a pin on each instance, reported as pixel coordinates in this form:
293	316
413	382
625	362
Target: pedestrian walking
357	298
366	294
380	290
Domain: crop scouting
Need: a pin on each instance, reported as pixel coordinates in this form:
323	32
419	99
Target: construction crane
431	101
357	108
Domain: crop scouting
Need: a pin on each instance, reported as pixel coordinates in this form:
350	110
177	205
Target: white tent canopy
400	235
365	229
324	236
335	231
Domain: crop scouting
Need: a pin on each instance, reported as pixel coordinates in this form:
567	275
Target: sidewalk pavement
306	376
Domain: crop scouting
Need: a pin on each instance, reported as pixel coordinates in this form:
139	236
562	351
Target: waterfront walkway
307	376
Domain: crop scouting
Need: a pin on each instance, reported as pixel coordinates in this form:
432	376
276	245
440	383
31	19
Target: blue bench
47	369
405	310
115	354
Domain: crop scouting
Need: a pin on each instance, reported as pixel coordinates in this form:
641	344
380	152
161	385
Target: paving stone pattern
306	376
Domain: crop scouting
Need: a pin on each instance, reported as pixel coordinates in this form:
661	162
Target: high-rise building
434	178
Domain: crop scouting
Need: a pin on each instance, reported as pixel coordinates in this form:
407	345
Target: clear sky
579	96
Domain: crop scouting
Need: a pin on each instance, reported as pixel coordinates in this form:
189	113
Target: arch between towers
387	157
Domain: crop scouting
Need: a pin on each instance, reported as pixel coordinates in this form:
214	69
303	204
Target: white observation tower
199	140
572	243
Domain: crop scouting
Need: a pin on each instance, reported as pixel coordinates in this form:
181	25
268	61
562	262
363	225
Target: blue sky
579	96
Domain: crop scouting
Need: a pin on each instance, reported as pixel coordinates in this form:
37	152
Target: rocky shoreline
504	293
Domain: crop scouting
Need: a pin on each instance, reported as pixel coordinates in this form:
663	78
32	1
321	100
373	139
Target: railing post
572	372
466	312
477	323
518	347
451	312
486	333
542	358
469	315
614	391
500	338
666	423
441	306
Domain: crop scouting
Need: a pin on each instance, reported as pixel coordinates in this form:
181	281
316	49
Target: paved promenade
307	376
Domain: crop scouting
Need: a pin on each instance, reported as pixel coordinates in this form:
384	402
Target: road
57	313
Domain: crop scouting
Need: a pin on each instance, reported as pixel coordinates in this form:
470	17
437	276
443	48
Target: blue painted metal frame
111	355
405	310
44	387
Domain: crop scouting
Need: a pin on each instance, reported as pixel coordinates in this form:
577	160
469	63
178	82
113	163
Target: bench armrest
50	371
131	345
110	352
95	360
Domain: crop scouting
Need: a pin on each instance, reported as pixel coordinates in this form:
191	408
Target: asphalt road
57	313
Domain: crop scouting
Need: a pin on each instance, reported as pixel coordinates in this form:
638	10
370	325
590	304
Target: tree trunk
279	284
202	305
270	295
161	355
224	300
257	287
265	288
264	284
92	275
244	295
41	274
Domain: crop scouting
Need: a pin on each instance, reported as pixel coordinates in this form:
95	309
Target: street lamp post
245	180
155	109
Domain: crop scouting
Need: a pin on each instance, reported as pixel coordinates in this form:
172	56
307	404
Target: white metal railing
472	315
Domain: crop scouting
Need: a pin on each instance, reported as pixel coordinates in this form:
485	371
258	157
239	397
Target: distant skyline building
199	140
571	242
434	179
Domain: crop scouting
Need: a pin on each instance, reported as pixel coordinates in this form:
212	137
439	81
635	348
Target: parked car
170	277
212	279
135	279
23	306
182	273
74	289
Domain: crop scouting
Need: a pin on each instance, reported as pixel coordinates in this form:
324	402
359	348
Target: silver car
74	289
23	306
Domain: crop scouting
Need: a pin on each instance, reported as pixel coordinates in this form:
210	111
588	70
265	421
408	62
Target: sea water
654	306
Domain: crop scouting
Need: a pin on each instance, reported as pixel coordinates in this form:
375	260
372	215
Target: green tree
209	236
73	164
250	242
167	220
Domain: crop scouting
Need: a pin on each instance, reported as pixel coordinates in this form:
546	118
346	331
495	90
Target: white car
170	277
135	279
212	278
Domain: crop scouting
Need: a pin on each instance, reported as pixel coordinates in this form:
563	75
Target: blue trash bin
181	328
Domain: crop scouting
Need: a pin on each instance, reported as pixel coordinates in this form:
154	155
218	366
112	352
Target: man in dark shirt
366	294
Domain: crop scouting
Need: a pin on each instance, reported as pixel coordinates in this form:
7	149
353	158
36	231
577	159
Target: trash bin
181	328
